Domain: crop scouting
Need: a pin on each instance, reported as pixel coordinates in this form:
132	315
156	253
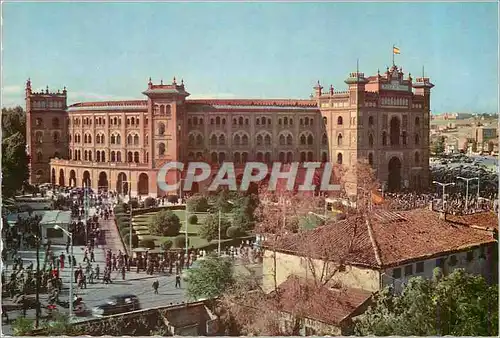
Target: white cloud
7	90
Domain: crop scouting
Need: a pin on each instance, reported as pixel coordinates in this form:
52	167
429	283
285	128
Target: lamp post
130	214
71	267
467	189
186	230
443	185
85	209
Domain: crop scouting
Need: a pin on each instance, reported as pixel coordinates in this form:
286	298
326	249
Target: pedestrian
177	281
92	256
97	271
61	260
123	272
155	286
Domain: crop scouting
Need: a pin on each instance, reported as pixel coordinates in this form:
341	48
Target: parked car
117	304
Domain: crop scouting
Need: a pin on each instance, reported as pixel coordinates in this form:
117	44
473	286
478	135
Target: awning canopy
49	217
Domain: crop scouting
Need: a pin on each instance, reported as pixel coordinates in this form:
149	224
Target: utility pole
467	189
85	210
443	185
37	301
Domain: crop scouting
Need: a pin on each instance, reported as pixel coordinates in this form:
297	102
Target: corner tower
166	111
46	131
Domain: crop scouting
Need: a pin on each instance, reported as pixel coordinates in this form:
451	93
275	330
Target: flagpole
393	63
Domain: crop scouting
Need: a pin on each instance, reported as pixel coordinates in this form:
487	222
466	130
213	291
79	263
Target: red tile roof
487	220
111	103
387	240
255	102
321	303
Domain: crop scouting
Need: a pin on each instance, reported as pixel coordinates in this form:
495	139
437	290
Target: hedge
142	211
147	243
193	219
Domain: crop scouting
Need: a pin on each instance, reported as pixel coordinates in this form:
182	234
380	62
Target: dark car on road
117	304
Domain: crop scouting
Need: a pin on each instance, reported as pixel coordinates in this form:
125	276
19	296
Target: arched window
223	121
302	156
279	122
282	140
118	139
235	121
395	131
325	120
237	140
417	121
263	120
260	140
285	121
213	140
306	121
310	156
417	158
103	156
384	138
289	157
136	157
247	121
310	139
162	110
267	157
339	158
113	156
168	109
129	139
217	120
340	121
324	157
370	121
404	136
113	139
240	121
244	140
282	157
189	122
199	139
161	149
339	140
303	139
289	140
417	139
222	140
146	139
324	140
55	122
215	158
136	139
97	156
118	156
191	140
161	128
370	159
200	121
267	140
90	155
130	157
237	158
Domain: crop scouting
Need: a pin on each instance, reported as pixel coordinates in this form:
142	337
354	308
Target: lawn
140	225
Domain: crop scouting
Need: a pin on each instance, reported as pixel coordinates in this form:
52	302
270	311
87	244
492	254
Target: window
370	159
325	120
340	121
417	121
453	260
339	158
440	263
384	138
417	139
339	140
55	122
417	158
470	256
370	140
396	273
370	121
419	267
409	270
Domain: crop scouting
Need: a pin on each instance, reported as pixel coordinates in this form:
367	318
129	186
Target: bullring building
120	145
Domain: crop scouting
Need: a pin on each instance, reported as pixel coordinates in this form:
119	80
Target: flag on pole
395	50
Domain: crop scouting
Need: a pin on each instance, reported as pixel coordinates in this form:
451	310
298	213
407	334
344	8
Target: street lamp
70	235
443	185
467	189
130	213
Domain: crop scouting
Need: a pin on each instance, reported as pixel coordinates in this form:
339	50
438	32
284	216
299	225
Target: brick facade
121	144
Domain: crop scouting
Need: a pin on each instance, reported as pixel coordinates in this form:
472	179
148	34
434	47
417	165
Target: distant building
486	138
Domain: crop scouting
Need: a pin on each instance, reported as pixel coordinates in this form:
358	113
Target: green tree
210	279
437	146
165	223
222	201
244	210
15	161
210	228
459	304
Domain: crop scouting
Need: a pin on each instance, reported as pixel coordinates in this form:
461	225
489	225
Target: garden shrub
165	223
233	232
149	202
197	203
167	245
193	219
147	243
180	241
173	198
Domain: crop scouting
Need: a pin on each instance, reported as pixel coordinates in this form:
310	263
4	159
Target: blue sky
104	51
